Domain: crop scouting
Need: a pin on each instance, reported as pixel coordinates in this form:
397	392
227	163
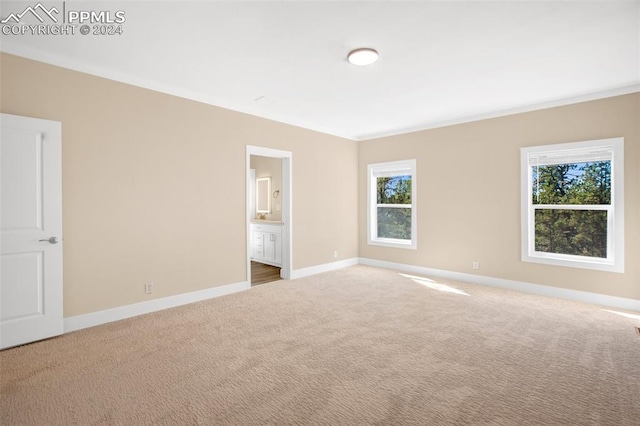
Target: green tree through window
391	213
394	207
579	230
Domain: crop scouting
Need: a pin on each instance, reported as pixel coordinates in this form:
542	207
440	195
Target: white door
31	226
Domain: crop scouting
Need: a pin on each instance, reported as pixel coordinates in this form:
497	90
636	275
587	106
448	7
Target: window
392	204
572	204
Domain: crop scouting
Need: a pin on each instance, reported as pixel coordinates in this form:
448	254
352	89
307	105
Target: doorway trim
287	203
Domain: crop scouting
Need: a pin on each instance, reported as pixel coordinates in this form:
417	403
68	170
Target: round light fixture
363	56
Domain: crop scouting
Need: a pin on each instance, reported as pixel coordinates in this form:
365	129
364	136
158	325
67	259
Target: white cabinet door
31	222
277	251
269	247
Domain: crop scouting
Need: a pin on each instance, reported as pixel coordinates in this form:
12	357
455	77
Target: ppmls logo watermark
60	20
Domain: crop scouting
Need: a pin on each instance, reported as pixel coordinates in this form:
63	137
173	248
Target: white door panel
21	192
25	298
31	213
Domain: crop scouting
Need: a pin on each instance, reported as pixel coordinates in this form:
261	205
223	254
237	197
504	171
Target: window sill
575	262
390	242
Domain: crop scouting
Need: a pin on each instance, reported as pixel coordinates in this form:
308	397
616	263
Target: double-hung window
391	215
572	204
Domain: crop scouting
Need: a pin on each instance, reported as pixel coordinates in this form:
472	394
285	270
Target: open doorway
268	215
265	219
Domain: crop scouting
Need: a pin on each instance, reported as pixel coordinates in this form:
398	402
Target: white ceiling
440	62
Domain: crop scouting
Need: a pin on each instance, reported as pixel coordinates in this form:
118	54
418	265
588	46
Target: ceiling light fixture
363	56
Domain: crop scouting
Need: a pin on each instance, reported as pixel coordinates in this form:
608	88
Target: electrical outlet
148	287
335	254
475	265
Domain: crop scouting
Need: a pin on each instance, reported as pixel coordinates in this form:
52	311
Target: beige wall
154	186
469	192
272	168
143	174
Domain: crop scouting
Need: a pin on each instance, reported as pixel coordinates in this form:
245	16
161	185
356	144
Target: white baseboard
325	267
543	290
121	312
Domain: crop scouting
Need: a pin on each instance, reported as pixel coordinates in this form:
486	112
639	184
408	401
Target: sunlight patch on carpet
623	314
434	285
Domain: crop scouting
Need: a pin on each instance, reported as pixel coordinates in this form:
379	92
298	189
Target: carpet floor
356	346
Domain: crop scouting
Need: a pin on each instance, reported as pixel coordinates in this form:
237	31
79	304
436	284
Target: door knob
52	240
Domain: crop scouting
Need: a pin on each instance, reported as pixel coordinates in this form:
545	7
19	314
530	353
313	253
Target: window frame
615	216
402	167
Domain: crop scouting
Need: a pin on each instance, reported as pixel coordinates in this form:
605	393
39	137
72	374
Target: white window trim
615	235
407	167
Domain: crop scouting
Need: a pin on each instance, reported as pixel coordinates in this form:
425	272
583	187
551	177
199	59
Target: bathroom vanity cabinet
266	243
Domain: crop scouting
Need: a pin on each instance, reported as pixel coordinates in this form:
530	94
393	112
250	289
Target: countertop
266	222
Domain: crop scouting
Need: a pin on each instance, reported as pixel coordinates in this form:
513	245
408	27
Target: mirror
263	195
